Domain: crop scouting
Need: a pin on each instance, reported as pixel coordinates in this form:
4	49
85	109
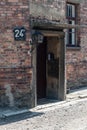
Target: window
71	18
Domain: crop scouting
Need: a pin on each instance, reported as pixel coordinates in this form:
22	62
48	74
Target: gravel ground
68	116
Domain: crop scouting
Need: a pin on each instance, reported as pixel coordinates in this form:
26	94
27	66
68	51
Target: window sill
73	47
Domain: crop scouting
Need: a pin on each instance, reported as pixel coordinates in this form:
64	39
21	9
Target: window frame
73	43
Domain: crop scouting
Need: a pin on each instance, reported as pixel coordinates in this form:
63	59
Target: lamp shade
37	37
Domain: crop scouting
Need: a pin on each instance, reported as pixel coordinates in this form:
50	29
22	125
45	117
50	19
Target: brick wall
15	61
76	59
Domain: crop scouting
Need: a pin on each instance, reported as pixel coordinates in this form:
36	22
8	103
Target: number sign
19	33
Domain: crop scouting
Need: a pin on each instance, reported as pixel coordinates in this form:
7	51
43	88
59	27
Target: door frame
62	72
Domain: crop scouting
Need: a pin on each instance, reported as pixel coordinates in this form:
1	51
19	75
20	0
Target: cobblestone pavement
70	115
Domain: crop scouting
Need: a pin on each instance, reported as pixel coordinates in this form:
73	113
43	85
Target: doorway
48	80
48	69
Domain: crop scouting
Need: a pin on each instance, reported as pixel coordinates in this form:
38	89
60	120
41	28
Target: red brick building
29	70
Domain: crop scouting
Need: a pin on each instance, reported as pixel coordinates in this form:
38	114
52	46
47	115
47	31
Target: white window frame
70	39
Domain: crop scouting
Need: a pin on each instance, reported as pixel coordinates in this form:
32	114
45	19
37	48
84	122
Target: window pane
73	11
70	36
72	22
70	10
73	36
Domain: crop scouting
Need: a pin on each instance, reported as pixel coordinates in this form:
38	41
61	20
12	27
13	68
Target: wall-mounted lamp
37	37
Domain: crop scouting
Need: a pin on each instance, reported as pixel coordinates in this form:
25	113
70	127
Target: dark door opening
41	70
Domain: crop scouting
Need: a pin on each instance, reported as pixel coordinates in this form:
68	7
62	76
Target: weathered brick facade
76	58
15	60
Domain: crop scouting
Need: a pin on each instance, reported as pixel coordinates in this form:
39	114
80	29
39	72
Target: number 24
19	33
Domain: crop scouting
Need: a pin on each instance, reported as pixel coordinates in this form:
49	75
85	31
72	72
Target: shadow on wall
9	95
6	98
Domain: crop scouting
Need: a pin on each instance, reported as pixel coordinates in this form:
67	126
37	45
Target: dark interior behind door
41	71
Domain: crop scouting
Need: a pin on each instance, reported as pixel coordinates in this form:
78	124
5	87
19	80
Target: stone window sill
73	47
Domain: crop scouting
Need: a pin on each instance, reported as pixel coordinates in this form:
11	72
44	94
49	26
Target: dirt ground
68	116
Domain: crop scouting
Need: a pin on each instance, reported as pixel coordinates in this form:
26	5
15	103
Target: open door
50	73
